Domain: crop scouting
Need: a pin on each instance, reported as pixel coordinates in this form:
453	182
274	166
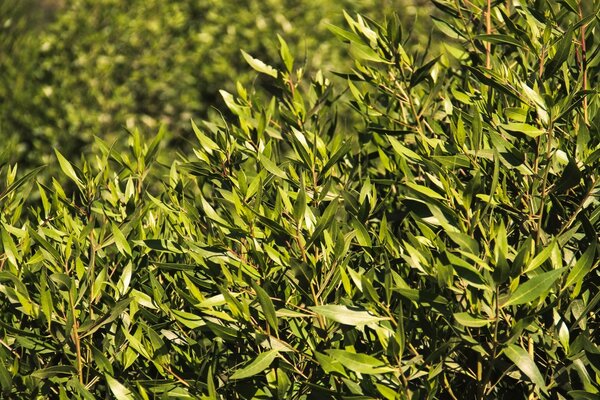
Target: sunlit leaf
533	288
258	365
346	316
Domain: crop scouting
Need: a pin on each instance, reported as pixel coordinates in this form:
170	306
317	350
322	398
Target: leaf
526	129
562	53
68	169
260	363
581	269
359	363
285	54
344	315
466	242
521	359
284	312
153	147
259	66
494	81
345	35
210	213
118	389
534	96
101	360
5	378
45	244
189	320
571	5
424	190
19	182
341	152
364	52
469	320
362	235
582	395
272	167
46	298
500	39
115	312
329	364
466	271
422	73
120	240
300	204
57	370
267	306
533	288
403	150
539	259
10	249
207	143
323	222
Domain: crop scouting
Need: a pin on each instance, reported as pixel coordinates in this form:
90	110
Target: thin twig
583	66
488	45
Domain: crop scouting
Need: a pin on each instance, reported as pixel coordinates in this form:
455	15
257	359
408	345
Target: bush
446	246
102	66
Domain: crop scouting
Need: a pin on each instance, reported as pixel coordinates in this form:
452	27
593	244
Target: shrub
102	66
444	248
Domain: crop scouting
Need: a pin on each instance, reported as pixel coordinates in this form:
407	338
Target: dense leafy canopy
438	242
98	67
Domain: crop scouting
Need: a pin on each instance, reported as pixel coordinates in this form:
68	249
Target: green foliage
102	66
444	247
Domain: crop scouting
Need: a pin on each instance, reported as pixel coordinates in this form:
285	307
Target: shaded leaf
521	359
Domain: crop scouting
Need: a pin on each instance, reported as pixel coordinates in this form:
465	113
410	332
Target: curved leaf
344	315
521	359
260	363
533	288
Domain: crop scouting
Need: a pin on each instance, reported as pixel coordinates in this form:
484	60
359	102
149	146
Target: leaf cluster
439	243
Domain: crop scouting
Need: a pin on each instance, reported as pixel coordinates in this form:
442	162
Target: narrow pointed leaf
533	288
260	363
581	268
120	391
521	359
469	320
267	305
68	169
360	363
259	66
344	315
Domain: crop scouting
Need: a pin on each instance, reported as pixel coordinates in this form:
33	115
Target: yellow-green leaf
68	169
360	363
344	315
469	320
259	66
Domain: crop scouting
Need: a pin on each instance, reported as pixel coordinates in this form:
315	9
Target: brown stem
541	71
488	45
488	373
76	339
543	193
583	66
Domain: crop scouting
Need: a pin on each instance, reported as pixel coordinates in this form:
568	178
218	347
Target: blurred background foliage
77	69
